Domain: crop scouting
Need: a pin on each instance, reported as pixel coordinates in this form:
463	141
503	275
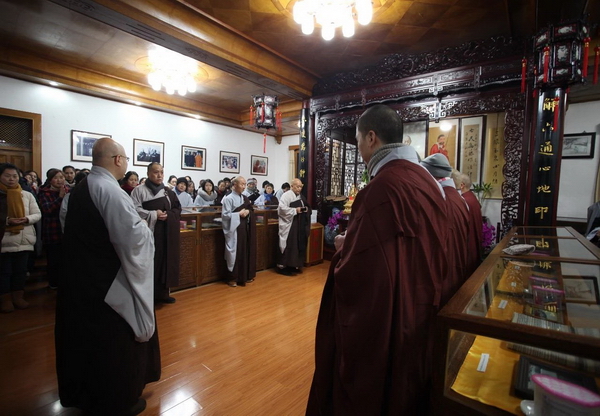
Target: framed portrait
443	138
415	135
145	152
193	158
229	162
579	146
581	289
259	165
471	139
82	143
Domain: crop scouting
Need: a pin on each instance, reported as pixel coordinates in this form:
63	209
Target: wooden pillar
546	151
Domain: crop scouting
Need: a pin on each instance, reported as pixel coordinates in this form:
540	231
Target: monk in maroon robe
474	242
373	349
458	225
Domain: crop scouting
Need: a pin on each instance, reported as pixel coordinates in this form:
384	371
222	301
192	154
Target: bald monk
294	229
106	340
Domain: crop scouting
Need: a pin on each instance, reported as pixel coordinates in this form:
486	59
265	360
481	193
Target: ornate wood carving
397	66
514	124
472	79
452	106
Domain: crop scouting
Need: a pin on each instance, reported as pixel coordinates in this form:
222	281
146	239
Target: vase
330	234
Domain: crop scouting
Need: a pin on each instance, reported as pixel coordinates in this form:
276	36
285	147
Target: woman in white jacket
18	239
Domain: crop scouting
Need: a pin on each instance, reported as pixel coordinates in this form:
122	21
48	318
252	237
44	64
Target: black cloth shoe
285	271
170	299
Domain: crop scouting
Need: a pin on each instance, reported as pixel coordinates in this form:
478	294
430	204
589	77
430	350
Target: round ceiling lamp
331	14
172	71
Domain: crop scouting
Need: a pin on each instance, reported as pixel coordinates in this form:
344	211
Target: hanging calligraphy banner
543	191
304	149
493	159
471	132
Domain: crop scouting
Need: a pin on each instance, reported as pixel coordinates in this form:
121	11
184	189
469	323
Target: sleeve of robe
138	198
132	293
231	221
286	217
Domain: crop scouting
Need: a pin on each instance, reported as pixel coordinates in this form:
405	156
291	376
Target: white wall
63	111
578	176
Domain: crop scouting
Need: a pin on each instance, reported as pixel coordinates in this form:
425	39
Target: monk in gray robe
294	229
239	228
159	205
106	341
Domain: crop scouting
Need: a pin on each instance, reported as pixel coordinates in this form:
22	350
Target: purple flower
332	222
489	235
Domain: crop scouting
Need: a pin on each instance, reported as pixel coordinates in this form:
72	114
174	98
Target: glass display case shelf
542	308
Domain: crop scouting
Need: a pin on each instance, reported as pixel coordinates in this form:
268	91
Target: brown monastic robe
297	240
459	225
474	248
245	255
166	243
375	327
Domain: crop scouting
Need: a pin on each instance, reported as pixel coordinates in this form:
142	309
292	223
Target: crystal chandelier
172	71
331	14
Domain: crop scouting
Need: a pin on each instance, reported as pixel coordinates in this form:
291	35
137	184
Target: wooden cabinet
202	247
314	249
542	306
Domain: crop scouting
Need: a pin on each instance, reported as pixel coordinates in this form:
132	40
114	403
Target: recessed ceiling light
53	83
137	103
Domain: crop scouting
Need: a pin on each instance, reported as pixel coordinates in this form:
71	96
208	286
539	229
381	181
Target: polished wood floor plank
225	351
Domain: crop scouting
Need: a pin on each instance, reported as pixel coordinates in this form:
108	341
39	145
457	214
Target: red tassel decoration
251	115
523	74
596	53
586	55
556	112
264	142
546	62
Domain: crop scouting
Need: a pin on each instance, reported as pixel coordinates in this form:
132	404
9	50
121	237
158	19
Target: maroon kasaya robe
474	247
166	241
244	268
374	333
458	224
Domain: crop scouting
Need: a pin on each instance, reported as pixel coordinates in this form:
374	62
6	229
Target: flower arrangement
333	221
489	236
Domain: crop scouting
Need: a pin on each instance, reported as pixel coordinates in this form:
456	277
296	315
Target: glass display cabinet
516	316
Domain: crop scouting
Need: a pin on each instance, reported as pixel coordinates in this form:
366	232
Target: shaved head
111	156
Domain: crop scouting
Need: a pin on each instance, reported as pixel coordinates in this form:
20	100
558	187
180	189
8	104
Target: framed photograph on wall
579	146
471	139
82	143
146	151
582	289
415	135
259	165
443	138
229	162
193	158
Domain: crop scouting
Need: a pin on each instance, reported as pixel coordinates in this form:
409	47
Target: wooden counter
202	246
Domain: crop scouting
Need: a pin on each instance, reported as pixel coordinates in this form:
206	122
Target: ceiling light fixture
172	71
331	14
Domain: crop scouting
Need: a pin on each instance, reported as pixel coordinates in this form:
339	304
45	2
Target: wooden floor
225	351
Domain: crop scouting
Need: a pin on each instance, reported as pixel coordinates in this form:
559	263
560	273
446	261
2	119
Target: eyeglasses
125	157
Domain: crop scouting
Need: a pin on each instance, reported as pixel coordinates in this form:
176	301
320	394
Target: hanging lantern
562	54
264	112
